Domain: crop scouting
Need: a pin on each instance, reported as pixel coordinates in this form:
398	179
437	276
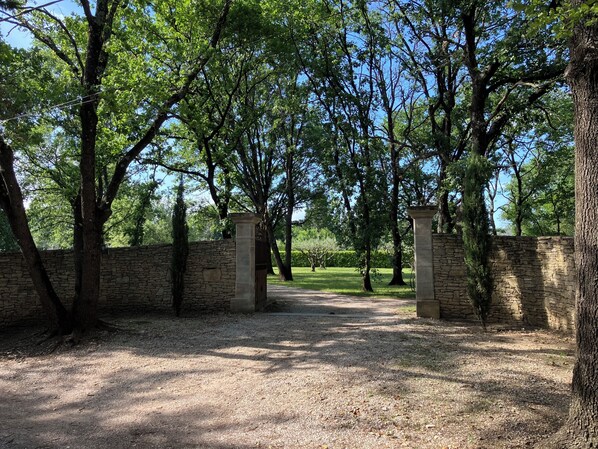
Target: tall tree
536	150
430	45
503	81
341	73
581	428
84	45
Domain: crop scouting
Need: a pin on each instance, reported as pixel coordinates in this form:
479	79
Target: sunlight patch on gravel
259	381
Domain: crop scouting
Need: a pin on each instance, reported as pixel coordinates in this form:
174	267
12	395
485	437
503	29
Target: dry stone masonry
534	279
132	279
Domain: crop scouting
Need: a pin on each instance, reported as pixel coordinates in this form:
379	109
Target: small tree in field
318	245
180	249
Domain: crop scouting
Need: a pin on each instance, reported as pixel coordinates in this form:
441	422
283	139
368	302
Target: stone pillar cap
422	211
245	218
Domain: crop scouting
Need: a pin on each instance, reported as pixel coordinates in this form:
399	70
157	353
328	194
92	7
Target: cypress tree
7	239
476	235
180	248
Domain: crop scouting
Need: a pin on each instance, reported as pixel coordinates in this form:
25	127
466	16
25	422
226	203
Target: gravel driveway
318	371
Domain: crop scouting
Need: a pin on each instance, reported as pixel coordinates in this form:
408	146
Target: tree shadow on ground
425	363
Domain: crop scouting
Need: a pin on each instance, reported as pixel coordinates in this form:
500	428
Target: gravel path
318	371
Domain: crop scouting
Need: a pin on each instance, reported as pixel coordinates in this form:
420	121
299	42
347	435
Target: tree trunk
85	309
270	266
445	220
367	267
77	246
282	268
221	200
581	427
288	228
288	247
492	223
11	201
138	233
223	215
397	249
397	256
518	224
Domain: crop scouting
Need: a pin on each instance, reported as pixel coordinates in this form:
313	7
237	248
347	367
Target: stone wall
135	279
534	279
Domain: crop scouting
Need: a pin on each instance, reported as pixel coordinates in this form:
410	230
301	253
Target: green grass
346	281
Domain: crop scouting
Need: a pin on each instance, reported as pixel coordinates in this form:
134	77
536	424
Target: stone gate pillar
427	306
245	296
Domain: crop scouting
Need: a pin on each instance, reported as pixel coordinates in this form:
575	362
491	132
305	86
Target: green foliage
317	245
7	240
204	223
180	249
476	236
336	67
292	82
10	4
550	184
541	192
345	259
558	18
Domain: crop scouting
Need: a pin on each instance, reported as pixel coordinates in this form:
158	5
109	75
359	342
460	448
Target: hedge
348	259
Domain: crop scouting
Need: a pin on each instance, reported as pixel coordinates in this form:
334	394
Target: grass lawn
346	281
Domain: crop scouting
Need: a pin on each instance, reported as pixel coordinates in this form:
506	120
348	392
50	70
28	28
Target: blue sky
21	38
14	36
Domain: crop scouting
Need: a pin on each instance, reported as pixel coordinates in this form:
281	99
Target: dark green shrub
476	235
180	249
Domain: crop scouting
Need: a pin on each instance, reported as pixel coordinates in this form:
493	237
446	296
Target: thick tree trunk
85	309
581	428
11	201
270	266
283	271
77	246
282	268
